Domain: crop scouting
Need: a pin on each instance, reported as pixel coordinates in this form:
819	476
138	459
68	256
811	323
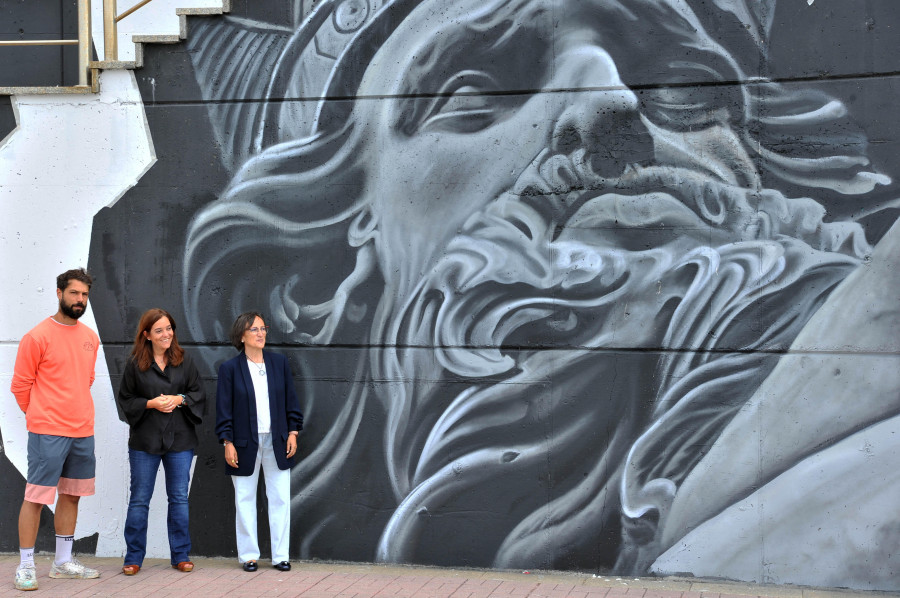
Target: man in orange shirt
52	384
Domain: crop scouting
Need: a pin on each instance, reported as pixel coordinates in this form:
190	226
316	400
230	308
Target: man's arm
96	351
28	359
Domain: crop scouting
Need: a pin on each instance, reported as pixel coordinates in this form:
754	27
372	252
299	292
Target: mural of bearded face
564	281
480	145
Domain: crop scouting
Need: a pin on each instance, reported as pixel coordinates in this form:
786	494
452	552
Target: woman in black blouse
161	399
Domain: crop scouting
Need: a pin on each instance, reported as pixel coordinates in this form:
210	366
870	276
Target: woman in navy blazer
258	419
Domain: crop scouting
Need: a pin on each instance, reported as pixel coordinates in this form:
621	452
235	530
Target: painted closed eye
466	103
706	103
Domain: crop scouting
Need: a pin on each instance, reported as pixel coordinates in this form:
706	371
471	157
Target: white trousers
278	492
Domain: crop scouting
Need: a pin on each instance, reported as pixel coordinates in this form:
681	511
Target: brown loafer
184	566
131	569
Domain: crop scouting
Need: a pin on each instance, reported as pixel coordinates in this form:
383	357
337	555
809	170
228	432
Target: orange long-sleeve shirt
53	377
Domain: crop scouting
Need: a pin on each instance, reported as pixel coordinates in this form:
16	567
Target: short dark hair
240	326
79	274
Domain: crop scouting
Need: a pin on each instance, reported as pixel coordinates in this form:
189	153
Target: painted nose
605	122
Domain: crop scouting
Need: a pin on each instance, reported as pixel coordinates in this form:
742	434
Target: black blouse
153	431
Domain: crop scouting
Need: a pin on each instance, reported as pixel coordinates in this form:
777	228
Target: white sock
64	549
27	556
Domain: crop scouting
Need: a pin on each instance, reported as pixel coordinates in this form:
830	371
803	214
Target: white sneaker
26	577
73	570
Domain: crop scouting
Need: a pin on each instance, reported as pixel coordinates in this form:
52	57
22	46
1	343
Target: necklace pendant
260	367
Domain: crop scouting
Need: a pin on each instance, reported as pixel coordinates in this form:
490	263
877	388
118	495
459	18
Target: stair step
112	64
193	12
156	39
72	89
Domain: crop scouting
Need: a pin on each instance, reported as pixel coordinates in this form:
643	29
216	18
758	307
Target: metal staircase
89	70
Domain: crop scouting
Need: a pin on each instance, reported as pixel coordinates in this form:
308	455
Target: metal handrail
39	42
110	29
83	42
110	36
132	9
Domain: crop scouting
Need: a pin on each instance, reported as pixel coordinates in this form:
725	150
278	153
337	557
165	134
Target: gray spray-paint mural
565	284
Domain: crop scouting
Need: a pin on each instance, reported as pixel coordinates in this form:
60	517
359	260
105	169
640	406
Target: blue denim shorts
59	464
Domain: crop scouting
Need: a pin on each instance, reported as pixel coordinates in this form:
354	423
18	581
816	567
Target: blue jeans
144	466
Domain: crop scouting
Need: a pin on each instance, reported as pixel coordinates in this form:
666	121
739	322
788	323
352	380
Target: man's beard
564	308
74	311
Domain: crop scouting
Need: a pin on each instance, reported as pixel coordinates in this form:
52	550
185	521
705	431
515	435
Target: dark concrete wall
581	285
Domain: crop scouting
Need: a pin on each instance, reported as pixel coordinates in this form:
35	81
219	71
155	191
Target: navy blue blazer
236	410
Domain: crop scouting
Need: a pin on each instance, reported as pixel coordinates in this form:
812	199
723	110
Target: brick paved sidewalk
224	577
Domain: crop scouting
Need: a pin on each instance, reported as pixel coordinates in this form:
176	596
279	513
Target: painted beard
74	311
565	307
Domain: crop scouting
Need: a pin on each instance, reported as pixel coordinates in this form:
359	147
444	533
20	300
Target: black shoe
283	566
250	566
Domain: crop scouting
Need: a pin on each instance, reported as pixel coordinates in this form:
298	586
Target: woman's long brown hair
143	348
